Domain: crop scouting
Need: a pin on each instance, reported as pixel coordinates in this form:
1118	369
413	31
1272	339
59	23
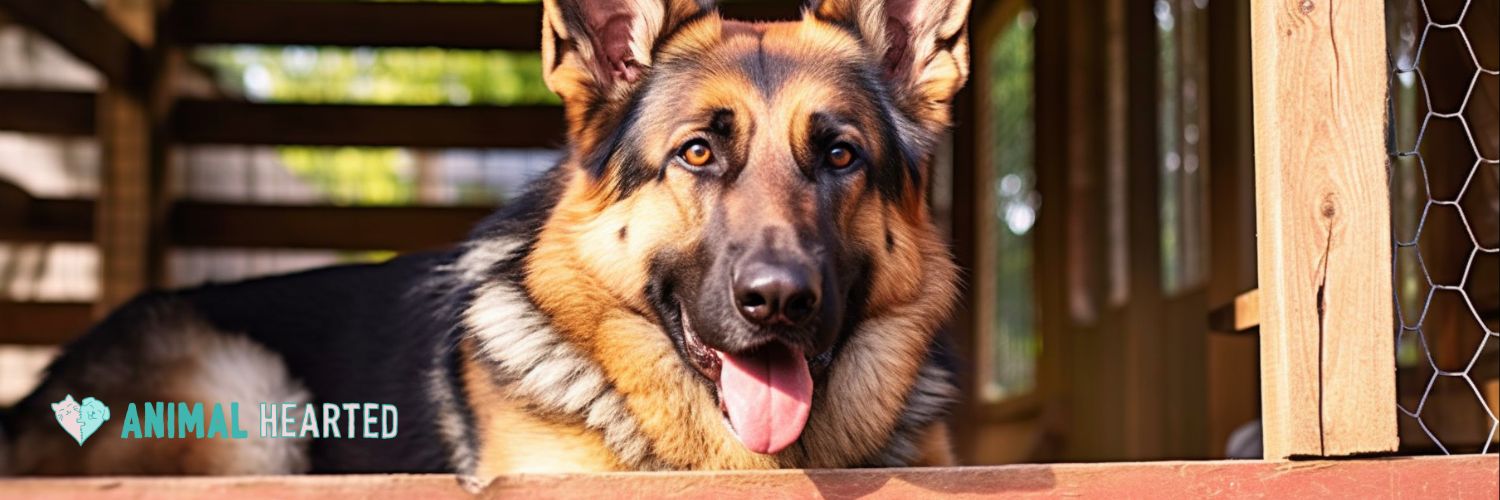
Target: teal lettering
155	426
190	420
216	422
132	424
234	422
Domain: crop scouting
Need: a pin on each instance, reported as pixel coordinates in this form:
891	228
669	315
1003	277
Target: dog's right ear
594	51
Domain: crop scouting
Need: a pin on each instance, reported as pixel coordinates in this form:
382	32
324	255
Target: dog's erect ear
595	50
924	45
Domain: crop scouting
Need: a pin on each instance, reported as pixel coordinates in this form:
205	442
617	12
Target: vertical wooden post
128	213
964	224
1233	362
1323	218
1146	331
1055	370
122	214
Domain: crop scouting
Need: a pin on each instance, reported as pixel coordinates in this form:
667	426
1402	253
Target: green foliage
1015	345
341	75
353	176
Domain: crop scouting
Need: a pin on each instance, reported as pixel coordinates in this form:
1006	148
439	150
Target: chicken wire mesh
1445	185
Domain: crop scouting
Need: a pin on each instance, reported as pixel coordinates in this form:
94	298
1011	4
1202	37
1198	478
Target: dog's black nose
770	294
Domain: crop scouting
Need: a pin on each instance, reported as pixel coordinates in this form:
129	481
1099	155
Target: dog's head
758	189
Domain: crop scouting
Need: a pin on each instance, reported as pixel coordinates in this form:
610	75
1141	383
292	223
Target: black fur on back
350	334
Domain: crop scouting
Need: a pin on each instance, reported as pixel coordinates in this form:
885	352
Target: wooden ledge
1240	316
1421	477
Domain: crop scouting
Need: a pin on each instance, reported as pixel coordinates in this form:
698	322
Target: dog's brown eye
840	156
697	153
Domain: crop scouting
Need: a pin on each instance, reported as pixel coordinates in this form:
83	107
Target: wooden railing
1451	478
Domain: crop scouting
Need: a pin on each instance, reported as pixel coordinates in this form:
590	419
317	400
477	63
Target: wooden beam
1146	333
133	196
232	122
24	218
1457	478
47	112
1233	361
1056	370
83	31
1241	315
965	223
123	212
395	24
1323	217
228	122
314	227
389	24
43	323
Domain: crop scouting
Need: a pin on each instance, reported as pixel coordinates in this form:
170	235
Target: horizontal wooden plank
1242	315
47	112
236	122
25	218
232	122
84	32
43	323
321	227
389	24
396	24
1461	477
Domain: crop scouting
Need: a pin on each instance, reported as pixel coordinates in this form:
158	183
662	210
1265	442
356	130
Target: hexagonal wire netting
1445	188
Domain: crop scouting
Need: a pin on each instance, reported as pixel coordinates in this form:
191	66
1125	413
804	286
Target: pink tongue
767	394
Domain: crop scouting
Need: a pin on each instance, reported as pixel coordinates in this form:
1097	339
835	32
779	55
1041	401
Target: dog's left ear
923	44
596	50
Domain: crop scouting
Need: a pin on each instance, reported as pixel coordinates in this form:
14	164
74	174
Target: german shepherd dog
733	267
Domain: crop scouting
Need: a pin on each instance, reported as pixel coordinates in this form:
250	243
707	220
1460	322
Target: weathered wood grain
1323	217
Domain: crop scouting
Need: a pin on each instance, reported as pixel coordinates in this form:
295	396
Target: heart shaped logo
80	420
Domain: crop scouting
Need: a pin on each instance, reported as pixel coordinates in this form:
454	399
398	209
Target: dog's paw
472	483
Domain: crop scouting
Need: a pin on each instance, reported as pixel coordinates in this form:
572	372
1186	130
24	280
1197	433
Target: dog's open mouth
765	393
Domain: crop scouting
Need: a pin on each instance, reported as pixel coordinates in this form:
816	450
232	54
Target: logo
176	420
80	420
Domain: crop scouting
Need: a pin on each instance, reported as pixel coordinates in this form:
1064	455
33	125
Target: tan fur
931	72
591	284
609	322
640	360
589	266
515	441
